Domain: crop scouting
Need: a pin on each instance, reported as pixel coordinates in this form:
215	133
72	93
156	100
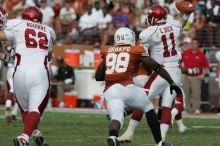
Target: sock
15	109
174	112
31	122
8	103
164	128
180	123
113	132
154	125
24	114
132	125
137	115
10	96
165	122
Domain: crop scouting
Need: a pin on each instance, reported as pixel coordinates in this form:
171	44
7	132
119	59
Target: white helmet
124	36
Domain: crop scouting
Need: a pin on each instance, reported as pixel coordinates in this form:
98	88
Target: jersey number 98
118	63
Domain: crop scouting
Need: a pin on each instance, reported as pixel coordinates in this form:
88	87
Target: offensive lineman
33	43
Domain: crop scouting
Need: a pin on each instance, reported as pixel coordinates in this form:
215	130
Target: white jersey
162	42
32	41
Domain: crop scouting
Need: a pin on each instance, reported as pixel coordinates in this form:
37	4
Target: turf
71	129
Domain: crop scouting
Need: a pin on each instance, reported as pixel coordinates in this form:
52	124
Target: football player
7	56
117	68
33	44
161	37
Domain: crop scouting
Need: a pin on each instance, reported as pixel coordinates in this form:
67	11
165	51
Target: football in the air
184	6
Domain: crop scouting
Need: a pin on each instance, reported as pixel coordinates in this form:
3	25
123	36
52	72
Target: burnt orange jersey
121	63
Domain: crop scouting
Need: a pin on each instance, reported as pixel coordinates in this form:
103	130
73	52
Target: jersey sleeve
146	35
11	28
140	50
175	23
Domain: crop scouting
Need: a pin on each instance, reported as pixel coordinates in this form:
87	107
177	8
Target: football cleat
38	138
113	141
126	137
166	144
14	118
20	141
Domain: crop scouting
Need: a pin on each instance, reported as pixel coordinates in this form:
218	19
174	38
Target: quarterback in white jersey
161	38
33	43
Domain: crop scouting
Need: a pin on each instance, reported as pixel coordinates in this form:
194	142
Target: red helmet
3	16
156	14
32	13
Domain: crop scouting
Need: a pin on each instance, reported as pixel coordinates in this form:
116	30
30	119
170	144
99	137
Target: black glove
176	88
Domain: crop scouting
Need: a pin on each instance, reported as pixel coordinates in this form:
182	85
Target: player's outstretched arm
184	8
100	72
152	64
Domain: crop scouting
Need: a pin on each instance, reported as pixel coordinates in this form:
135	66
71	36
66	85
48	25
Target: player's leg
9	101
167	101
115	107
22	101
136	117
38	102
177	110
137	98
14	111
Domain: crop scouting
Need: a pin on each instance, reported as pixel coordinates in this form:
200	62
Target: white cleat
126	137
182	129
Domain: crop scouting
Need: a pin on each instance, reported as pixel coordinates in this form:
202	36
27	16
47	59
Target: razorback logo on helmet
32	14
3	16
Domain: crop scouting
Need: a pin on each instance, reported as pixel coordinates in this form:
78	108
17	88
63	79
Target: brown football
184	6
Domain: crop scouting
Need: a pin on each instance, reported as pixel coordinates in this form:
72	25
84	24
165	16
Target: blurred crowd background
94	22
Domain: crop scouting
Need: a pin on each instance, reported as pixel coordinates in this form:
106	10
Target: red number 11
166	51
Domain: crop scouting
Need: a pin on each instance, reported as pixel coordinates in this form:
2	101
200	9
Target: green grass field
73	129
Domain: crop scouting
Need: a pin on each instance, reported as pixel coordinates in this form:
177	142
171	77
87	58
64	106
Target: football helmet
124	36
3	16
156	14
32	13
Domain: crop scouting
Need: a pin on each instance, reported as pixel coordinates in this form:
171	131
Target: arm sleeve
206	62
10	29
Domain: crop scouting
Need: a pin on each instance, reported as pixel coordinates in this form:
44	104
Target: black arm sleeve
100	72
153	65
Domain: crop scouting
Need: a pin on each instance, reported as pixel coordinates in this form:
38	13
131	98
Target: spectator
104	20
88	24
214	22
191	58
67	18
47	12
65	78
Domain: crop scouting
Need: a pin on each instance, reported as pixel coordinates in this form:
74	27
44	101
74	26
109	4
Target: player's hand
193	71
174	87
